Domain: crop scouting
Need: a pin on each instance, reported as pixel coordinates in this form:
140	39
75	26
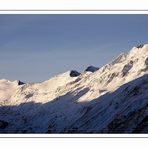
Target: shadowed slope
122	111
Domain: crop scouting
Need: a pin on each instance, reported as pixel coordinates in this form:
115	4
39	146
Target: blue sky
36	47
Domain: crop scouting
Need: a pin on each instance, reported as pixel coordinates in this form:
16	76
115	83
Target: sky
35	47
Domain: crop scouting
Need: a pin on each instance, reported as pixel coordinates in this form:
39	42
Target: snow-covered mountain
112	99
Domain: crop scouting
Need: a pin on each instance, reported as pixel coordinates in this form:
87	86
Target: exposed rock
18	82
74	73
142	127
3	124
140	46
91	68
127	68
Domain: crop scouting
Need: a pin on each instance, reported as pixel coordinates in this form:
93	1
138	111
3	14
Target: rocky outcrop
74	73
91	68
3	124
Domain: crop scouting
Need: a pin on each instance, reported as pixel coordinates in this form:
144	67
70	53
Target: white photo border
74	12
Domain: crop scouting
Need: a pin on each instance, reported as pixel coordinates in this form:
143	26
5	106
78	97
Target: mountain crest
112	99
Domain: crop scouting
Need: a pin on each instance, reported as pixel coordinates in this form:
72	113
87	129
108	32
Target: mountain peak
140	46
139	49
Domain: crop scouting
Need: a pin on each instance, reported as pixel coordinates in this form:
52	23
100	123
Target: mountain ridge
102	101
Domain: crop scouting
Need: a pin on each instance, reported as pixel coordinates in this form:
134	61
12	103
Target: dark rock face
142	127
140	46
20	83
92	68
3	124
74	73
122	123
127	68
29	96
